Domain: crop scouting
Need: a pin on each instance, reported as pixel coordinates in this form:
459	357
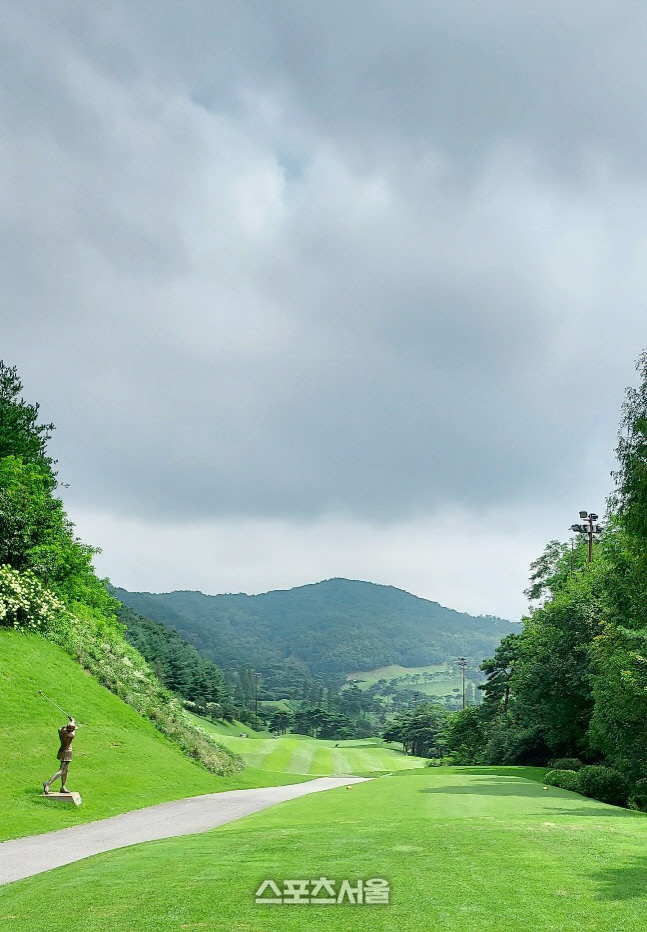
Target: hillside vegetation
336	626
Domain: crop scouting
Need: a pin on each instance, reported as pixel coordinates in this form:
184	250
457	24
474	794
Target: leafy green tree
21	435
421	731
618	729
466	735
280	722
550	572
499	671
31	519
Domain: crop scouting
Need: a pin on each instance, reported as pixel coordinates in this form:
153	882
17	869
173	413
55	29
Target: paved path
24	857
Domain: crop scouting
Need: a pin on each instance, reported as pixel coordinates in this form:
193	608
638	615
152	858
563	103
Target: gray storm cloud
357	258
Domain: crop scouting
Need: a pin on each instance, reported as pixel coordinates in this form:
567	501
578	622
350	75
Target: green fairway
391	672
473	849
443	683
300	754
120	760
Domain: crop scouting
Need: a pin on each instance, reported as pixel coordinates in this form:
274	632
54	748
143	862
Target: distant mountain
335	626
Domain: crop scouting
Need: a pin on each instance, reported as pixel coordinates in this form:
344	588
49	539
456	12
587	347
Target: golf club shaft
55	704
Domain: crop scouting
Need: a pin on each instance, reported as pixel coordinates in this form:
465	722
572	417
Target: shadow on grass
595	813
623	883
503	787
536	774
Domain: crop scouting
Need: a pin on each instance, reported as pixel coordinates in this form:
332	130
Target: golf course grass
475	849
299	754
121	761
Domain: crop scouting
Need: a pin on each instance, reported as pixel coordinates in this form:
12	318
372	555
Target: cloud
276	263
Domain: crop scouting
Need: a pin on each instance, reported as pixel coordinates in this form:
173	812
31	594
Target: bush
440	762
566	763
603	783
25	602
564	779
638	796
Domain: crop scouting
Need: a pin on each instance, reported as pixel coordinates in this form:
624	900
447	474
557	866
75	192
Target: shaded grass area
480	852
120	762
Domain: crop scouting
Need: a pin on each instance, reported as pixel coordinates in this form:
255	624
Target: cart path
24	857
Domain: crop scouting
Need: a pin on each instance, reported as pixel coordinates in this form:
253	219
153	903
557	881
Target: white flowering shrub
25	602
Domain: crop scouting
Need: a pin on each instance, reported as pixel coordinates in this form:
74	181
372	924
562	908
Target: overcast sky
326	289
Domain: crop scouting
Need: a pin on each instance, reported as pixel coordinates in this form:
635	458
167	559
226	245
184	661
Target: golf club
41	693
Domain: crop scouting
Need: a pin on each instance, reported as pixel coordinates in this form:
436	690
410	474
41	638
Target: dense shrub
440	762
564	779
566	763
638	795
603	783
25	602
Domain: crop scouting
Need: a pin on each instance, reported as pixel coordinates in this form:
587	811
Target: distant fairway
392	671
299	754
441	686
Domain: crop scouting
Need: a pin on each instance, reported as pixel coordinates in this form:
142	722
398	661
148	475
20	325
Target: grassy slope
120	761
302	755
480	850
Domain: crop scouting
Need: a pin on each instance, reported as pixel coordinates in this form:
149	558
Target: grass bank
121	761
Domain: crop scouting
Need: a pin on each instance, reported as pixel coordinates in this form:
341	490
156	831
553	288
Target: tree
618	728
499	671
20	433
280	722
466	735
31	519
421	731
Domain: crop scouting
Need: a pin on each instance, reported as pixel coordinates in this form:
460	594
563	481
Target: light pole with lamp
462	663
256	679
589	529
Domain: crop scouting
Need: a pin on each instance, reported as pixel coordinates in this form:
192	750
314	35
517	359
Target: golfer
66	734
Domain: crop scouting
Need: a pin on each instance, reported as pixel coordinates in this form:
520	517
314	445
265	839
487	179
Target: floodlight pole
589	529
462	663
256	677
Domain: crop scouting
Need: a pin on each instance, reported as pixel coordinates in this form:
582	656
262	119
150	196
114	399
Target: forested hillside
336	626
178	664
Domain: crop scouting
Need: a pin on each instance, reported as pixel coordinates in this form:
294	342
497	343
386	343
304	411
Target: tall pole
462	663
256	676
588	529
